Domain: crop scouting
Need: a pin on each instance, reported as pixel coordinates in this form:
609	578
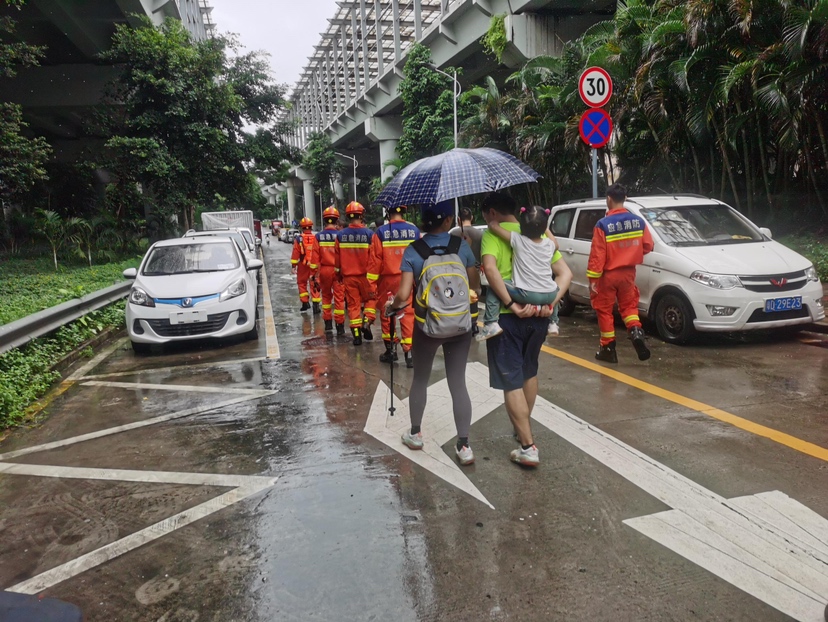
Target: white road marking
438	425
271	339
81	371
183	367
115	549
131	426
768	545
191	388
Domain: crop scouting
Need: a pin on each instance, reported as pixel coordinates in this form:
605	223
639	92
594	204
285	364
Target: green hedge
813	248
31	285
26	374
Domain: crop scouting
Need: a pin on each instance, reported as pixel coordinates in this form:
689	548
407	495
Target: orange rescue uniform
333	293
387	248
619	242
351	255
306	259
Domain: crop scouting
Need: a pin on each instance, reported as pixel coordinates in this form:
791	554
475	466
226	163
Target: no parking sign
595	128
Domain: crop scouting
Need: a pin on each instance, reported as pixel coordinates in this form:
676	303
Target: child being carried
532	280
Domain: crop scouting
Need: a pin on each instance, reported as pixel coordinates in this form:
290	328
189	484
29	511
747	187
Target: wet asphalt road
353	530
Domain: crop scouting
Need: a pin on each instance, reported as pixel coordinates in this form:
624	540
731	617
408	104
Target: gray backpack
441	305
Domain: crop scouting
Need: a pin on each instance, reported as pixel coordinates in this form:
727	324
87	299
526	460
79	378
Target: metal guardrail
22	331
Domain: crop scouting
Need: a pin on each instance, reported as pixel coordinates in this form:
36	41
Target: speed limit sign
595	87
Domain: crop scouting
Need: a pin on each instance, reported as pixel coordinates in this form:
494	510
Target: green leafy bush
813	248
26	373
494	41
28	286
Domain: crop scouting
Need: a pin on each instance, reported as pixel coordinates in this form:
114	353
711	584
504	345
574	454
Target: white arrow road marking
438	425
768	545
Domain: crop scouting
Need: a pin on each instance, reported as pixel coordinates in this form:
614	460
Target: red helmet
306	223
355	210
330	212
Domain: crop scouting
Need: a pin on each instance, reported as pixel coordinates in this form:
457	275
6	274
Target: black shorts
513	354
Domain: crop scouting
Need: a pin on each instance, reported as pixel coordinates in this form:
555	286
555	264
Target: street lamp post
342	155
456	91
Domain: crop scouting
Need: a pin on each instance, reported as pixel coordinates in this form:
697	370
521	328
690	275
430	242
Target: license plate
791	303
187	317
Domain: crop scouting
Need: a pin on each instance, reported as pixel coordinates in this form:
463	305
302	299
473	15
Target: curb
818	327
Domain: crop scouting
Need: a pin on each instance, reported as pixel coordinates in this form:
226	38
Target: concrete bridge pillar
339	190
291	197
387	132
310	199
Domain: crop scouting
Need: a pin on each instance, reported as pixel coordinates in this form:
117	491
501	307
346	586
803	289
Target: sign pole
594	173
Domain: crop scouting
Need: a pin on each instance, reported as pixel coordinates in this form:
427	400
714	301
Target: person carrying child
532	278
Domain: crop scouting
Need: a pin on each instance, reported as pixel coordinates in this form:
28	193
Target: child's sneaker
526	457
488	331
465	455
553	329
413	441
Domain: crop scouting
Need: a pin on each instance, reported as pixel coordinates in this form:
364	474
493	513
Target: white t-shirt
532	264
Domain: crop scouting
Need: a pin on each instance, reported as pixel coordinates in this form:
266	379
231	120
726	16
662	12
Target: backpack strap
422	248
453	247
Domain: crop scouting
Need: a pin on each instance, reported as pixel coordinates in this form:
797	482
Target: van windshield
700	225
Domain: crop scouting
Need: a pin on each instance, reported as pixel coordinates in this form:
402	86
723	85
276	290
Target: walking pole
390	313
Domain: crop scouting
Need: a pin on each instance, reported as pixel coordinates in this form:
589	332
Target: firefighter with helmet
305	262
333	293
387	247
351	252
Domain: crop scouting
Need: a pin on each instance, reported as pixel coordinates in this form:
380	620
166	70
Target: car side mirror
255	264
130	273
766	232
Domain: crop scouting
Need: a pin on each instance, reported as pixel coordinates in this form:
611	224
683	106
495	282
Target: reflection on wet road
247	482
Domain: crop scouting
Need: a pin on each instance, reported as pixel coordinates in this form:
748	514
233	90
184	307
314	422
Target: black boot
340	330
305	306
357	336
607	353
637	338
409	360
328	326
316	308
366	332
390	354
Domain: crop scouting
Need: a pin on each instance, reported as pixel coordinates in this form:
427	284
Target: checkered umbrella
455	173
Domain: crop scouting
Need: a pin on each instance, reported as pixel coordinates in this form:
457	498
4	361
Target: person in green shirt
513	354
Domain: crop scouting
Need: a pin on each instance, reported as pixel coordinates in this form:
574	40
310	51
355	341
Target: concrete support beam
310	199
387	132
530	35
291	196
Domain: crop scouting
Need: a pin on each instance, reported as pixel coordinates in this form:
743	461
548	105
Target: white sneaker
464	455
553	329
488	331
413	441
526	457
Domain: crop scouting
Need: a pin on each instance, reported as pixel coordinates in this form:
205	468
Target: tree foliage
179	109
21	158
321	160
727	98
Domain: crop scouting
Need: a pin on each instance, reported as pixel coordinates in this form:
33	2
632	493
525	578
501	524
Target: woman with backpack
442	267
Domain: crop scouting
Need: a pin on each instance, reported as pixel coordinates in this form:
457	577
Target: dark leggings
456	353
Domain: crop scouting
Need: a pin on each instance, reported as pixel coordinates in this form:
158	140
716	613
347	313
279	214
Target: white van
711	268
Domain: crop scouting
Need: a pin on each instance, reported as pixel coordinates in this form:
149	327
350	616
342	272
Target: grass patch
26	373
811	247
31	285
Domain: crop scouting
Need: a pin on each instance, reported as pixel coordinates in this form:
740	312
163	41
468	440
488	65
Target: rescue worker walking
352	247
619	242
387	247
333	293
305	262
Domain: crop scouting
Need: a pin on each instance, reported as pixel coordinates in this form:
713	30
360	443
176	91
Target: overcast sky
287	29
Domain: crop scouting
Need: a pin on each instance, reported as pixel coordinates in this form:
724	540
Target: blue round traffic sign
595	128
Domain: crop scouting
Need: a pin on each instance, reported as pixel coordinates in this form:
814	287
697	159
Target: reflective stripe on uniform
339	311
608	335
594	275
372	277
627	235
631	318
353	245
406	342
396	243
327	307
356	322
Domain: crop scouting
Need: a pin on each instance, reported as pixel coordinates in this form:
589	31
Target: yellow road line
782	438
271	340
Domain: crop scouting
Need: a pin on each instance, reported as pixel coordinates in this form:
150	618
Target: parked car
191	288
711	269
237	236
288	235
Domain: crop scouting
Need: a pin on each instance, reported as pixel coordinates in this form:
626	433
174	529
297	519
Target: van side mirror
766	232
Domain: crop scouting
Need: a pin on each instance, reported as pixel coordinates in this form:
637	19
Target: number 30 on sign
595	87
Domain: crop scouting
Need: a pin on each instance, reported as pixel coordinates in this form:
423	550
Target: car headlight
716	281
811	274
236	289
138	296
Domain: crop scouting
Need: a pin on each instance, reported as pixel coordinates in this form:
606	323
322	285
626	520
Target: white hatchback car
191	288
711	269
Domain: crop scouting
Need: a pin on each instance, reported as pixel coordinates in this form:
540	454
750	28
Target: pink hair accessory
548	211
522	209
